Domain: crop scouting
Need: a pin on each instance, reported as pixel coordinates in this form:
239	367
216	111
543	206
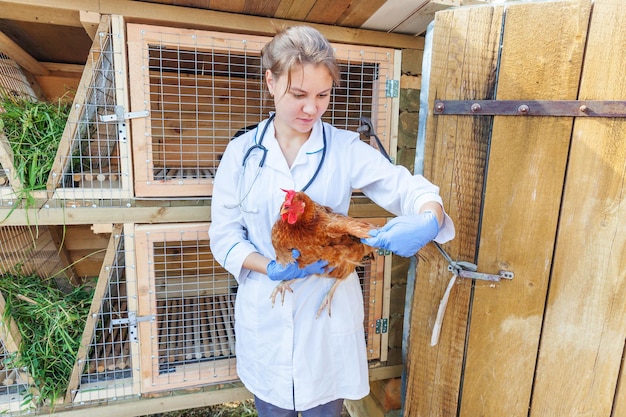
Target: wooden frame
102	184
196	110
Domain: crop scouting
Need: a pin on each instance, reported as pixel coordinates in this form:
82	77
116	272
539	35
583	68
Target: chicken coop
125	213
514	109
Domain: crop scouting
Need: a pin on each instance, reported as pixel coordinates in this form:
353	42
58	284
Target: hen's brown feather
318	233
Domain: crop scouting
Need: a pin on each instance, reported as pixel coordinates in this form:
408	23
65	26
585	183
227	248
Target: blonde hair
298	45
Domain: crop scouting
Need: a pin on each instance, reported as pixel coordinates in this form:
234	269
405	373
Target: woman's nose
310	107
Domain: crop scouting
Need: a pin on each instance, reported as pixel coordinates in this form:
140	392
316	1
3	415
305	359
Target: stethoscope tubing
259	145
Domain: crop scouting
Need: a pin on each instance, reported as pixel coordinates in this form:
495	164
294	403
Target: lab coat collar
310	149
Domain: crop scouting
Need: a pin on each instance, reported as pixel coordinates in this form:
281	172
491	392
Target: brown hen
318	234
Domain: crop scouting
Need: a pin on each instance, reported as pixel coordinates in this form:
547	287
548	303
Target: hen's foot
326	302
281	288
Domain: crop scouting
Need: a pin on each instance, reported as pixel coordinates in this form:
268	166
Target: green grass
34	130
51	324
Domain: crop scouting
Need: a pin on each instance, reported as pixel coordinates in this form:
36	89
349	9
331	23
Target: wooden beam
23	58
37	13
90	21
136	11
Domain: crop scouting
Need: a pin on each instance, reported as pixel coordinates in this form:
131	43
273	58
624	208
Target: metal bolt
439	107
583	108
476	108
523	109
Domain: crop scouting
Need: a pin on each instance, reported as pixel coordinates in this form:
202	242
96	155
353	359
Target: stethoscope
259	145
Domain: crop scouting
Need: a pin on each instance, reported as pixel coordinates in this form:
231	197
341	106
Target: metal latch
131	321
121	115
465	269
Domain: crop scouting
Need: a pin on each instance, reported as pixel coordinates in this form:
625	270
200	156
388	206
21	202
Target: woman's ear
269	80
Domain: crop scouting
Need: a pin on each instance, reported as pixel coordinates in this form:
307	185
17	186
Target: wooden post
464	57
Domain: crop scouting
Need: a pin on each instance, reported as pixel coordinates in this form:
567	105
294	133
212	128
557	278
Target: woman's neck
290	141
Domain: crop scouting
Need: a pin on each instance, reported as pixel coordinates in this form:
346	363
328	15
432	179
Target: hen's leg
328	299
281	288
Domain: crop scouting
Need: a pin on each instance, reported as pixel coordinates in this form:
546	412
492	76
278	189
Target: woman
287	358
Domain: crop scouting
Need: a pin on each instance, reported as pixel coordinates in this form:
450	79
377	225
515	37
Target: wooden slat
464	56
582	346
526	172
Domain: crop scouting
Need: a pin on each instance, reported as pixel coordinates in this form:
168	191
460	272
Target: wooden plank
582	346
23	58
455	154
526	171
214	20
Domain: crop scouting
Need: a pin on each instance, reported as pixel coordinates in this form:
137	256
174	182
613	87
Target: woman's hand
278	272
405	235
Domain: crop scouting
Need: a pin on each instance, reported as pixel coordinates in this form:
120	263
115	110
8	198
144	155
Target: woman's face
304	102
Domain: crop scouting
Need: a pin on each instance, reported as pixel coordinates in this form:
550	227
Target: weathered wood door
543	197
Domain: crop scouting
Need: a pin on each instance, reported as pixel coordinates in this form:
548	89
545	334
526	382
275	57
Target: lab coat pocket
246	304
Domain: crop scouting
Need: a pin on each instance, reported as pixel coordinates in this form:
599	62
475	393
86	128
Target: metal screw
439	107
523	109
583	108
475	108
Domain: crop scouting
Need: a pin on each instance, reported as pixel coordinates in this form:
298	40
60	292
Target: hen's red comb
290	195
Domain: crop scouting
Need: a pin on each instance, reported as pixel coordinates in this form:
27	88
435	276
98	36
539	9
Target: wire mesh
13	82
203	88
91	162
14	385
191	334
31	250
108	370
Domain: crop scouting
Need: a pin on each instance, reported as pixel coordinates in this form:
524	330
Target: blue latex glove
278	272
405	235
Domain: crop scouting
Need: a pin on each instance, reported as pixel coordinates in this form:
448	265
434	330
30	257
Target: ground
236	409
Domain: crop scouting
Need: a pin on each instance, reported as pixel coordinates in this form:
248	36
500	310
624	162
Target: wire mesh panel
186	316
371	276
14	386
13	83
31	250
104	366
202	88
92	164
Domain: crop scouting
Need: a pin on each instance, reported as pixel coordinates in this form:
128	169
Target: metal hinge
131	321
392	88
567	108
381	326
121	115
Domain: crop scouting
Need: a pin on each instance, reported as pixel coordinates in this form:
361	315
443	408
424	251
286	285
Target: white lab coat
286	356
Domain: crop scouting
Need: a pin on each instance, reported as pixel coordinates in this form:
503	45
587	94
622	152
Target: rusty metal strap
571	108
